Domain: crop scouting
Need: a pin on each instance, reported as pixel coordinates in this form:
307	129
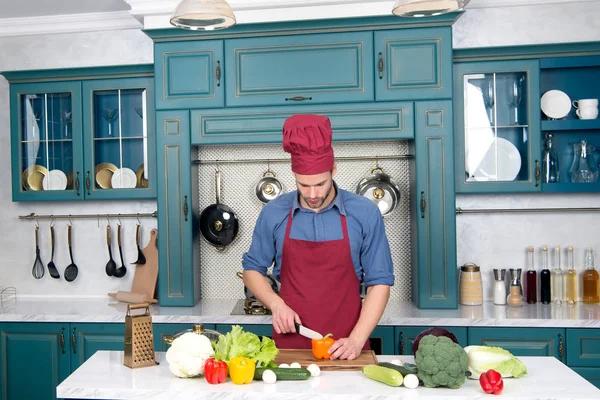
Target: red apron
319	283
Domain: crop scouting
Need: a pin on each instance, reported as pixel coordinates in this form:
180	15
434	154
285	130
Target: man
322	240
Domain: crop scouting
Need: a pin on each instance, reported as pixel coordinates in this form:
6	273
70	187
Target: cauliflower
187	355
441	362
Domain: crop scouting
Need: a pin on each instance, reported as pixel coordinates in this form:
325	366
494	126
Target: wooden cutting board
146	275
305	358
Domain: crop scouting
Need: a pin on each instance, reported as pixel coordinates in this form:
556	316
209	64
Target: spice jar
499	286
471	289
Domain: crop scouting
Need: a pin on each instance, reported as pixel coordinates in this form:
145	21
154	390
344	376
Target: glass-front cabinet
497	130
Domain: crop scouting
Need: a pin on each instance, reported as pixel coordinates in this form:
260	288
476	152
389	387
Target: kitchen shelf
569	187
570	125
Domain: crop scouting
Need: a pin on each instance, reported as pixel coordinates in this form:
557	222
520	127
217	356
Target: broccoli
441	362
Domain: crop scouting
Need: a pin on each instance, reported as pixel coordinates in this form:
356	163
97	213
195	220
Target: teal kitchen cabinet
497	126
311	69
413	64
542	342
406	335
584	348
37	357
434	277
189	74
178	212
591	375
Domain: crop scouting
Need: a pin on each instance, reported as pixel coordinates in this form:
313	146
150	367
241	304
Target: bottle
558	279
550	162
590	279
545	278
571	278
514	299
499	286
531	278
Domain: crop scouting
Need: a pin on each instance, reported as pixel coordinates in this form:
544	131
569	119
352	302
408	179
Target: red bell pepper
215	371
491	382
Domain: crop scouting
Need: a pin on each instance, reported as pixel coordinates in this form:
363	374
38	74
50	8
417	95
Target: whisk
38	268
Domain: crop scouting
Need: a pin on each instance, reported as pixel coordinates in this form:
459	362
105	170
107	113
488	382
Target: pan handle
218	186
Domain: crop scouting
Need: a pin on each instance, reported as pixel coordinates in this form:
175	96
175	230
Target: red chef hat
307	138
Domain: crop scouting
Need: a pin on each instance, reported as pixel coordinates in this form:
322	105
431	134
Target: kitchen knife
309	333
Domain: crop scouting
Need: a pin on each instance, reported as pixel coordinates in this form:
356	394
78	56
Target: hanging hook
98	220
51	220
137	216
37	223
108	219
119	218
70	222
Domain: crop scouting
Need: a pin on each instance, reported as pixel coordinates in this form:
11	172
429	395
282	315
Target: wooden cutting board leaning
305	357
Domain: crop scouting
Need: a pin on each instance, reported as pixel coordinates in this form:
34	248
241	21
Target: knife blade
309	333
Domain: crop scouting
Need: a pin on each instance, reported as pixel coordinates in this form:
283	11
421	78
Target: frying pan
218	223
381	190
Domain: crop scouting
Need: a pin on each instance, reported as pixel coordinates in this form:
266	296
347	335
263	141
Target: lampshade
203	14
426	8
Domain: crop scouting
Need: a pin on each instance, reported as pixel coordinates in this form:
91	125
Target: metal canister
471	288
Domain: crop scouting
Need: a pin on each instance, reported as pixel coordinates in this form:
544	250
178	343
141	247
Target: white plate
123	178
55	180
502	162
555	104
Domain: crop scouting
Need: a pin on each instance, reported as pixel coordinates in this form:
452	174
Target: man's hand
346	349
283	318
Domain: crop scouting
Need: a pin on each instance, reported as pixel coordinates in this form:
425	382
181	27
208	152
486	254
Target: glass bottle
571	278
550	162
531	278
590	279
545	278
558	279
499	286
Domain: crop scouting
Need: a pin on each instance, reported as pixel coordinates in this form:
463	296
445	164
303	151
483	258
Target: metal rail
287	160
36	217
524	210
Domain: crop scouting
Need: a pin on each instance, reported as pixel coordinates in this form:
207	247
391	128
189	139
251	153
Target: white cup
585	103
587	113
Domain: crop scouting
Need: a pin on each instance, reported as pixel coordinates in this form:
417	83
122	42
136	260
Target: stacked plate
32	177
55	180
555	104
124	178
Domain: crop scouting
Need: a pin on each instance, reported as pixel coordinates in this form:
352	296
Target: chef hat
307	138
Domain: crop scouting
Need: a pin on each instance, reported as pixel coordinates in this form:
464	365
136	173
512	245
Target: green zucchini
284	374
403	369
381	374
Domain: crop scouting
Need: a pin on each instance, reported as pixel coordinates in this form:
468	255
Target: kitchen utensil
305	357
71	271
502	162
381	190
104	173
145	278
309	333
247	291
131	297
139	339
55	180
111	266
269	187
141	259
51	267
123	178
471	289
38	268
198	329
33	177
122	270
218	223
555	104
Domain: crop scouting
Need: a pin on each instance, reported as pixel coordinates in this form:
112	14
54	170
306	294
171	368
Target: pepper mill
515	298
515	279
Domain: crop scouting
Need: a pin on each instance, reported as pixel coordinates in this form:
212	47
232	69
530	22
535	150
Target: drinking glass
488	97
515	92
110	114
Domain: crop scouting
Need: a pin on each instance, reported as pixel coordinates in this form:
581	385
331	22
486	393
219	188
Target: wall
491	241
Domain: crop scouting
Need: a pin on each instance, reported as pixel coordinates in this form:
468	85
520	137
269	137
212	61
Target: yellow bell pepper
241	370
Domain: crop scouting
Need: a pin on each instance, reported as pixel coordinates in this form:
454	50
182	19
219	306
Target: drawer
583	347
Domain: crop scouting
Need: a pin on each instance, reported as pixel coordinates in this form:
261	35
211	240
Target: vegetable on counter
381	374
491	382
215	371
284	374
484	358
187	355
320	347
411	381
241	370
404	369
441	362
238	343
434	332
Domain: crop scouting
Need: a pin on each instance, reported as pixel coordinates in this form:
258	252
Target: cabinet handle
297	98
87	182
380	65
74	341
218	73
77	183
561	347
62	340
538	174
401	349
185	208
423	204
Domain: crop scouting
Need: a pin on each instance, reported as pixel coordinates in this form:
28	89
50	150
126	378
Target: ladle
71	271
51	266
38	268
110	265
141	257
121	271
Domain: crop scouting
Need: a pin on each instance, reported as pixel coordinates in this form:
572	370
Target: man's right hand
283	318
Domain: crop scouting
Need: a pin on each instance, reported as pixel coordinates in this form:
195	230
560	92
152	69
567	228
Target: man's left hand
346	349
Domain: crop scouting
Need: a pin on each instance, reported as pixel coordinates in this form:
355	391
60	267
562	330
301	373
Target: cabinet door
382	340
320	68
413	64
86	339
584	348
592	375
177	212
406	336
46	147
119	141
189	74
497	126
542	342
434	276
34	360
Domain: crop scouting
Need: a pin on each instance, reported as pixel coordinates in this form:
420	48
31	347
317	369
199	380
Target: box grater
139	342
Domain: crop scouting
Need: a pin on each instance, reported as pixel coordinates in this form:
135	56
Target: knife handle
297	326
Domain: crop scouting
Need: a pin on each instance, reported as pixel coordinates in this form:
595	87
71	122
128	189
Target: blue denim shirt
368	242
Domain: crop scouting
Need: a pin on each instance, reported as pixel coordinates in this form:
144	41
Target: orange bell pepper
320	347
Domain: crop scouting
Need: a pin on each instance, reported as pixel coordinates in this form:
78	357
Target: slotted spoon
71	271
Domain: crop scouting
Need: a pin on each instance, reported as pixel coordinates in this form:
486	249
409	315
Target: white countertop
399	313
104	376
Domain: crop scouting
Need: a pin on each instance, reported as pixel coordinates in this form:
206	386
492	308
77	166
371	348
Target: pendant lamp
205	15
426	8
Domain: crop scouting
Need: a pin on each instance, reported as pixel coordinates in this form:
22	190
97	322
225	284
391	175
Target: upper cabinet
311	69
413	64
497	127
